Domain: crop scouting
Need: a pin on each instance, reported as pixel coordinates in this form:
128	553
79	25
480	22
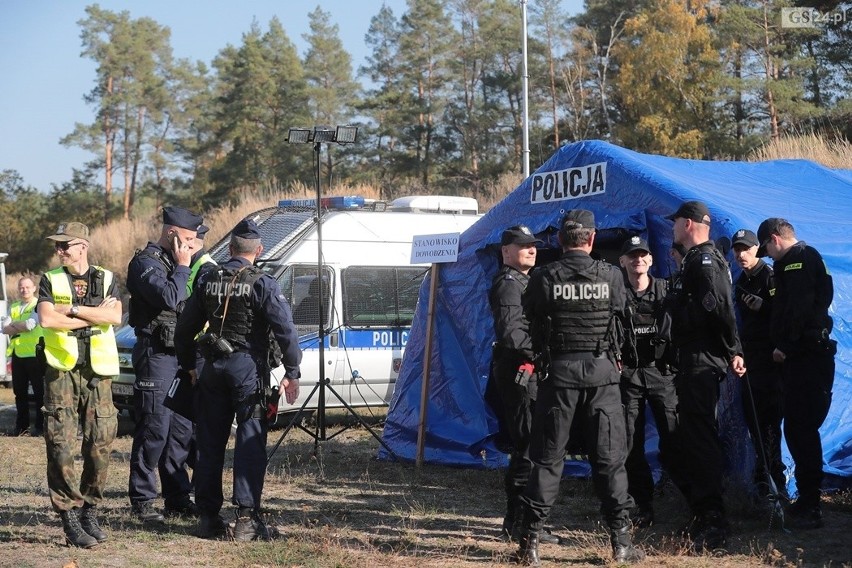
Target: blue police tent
629	193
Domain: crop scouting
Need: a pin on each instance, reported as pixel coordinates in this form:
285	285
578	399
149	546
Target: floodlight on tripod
317	136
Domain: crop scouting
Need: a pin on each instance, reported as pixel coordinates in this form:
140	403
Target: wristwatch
72	313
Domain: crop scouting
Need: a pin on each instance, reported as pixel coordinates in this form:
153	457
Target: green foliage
441	110
261	93
668	76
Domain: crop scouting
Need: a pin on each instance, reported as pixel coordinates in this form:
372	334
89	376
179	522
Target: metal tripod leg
320	434
774	495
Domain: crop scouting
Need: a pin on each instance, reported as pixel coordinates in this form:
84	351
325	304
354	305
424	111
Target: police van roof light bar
338	203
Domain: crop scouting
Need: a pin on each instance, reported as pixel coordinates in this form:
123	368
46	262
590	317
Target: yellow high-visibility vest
60	347
23	344
193	271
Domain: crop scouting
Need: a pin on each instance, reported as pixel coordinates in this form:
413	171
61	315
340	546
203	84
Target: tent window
380	296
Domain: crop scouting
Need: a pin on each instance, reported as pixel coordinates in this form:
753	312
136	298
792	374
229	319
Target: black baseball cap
744	237
634	243
578	219
694	210
769	227
518	235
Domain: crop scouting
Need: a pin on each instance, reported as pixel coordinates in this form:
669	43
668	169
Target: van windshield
280	229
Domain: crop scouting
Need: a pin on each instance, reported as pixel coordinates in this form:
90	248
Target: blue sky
44	78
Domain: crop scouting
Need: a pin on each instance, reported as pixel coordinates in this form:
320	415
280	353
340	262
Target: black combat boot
74	533
250	526
805	515
544	537
528	552
145	512
89	522
211	526
183	507
623	550
642	516
711	533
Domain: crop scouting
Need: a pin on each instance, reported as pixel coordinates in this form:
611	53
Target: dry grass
113	244
832	153
341	507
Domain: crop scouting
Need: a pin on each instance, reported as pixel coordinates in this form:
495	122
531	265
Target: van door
378	308
301	286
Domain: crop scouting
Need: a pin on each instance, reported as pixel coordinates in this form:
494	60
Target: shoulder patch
793	266
706	259
708	302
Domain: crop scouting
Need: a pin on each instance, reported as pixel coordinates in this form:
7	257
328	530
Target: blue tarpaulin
631	192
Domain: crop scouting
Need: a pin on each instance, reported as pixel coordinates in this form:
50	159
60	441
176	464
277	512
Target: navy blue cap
180	217
201	232
246	229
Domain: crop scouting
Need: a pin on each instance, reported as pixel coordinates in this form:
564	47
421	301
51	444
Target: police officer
241	305
646	377
77	307
761	392
201	260
574	306
27	369
705	334
512	369
157	279
800	333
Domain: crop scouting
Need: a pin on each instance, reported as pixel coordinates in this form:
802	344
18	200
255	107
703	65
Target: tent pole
427	359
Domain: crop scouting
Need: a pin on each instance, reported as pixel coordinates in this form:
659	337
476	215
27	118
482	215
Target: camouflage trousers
69	402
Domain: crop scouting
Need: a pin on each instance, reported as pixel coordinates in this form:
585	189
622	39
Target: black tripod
320	135
776	501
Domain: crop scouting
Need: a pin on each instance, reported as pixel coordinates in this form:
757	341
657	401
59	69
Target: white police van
371	289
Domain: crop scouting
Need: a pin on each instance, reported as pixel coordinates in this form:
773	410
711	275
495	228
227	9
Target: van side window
380	296
301	287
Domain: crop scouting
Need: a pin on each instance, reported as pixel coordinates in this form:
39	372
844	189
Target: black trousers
808	380
599	408
517	407
27	371
648	386
762	399
701	450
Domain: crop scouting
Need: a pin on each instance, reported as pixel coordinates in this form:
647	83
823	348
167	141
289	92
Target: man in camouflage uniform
77	307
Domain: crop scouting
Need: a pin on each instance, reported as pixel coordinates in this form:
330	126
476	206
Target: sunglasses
64	246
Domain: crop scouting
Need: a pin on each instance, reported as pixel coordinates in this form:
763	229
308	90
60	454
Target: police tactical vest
160	324
234	286
23	345
60	345
580	307
643	327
